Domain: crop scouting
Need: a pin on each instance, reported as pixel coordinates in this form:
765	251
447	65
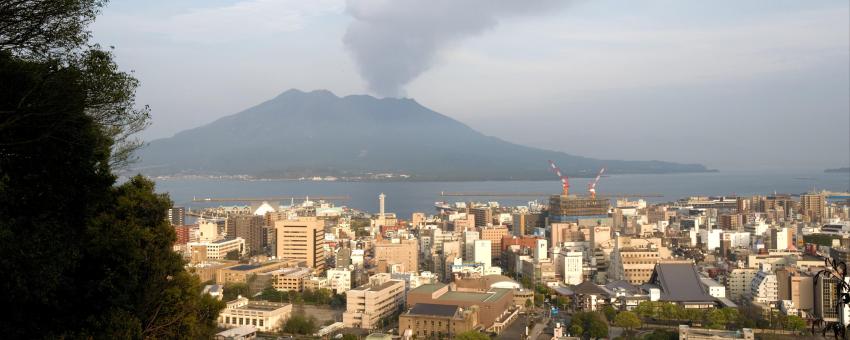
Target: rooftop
427	288
432	309
679	282
244	267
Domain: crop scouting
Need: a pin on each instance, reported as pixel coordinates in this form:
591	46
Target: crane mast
565	181
592	186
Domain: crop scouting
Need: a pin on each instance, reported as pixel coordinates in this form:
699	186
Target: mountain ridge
316	133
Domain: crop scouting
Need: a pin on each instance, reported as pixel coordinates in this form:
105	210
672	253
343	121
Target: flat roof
427	288
493	295
244	267
264	306
370	287
432	309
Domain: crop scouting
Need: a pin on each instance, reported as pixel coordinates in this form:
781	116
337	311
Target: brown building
494	306
182	232
730	221
302	239
405	252
570	208
483	216
794	286
241	272
250	228
290	279
425	321
813	206
494	234
565	232
523	242
524	223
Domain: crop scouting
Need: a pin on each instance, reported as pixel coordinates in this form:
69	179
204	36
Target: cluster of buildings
470	265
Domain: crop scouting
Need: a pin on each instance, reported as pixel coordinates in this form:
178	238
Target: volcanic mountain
317	133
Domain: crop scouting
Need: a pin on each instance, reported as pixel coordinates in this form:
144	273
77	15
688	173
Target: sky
734	85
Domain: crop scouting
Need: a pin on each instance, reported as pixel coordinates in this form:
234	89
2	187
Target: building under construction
571	208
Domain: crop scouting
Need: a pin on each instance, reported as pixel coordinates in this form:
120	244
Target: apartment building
366	305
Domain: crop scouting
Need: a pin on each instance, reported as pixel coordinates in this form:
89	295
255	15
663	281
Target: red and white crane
565	181
591	187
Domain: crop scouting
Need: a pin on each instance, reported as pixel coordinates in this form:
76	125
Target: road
538	328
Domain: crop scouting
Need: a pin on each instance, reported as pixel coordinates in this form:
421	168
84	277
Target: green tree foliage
627	320
662	334
576	330
592	324
298	324
471	335
232	255
349	337
610	312
795	323
322	297
234	289
712	318
86	258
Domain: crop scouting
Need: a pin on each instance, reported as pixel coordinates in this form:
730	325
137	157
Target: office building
813	206
216	250
265	316
302	239
250	228
494	234
494	305
426	321
368	304
483	216
176	216
290	279
395	252
482	253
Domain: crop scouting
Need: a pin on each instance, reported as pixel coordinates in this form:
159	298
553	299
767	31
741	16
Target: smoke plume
394	41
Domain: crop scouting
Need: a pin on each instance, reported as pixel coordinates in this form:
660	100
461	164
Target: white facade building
764	287
573	264
483	252
265	316
339	280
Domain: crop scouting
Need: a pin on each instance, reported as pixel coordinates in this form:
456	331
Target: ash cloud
394	41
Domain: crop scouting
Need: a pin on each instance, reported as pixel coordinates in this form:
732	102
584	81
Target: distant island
320	136
844	169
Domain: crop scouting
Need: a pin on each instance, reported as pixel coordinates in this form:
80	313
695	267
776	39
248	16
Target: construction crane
591	187
565	181
270	199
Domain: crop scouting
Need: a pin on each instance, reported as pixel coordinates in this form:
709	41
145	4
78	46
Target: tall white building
710	238
738	282
572	267
764	286
483	252
541	250
469	238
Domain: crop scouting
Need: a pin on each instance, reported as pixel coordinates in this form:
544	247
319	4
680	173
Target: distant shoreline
837	170
249	178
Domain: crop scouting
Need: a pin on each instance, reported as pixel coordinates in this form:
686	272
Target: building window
261	322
